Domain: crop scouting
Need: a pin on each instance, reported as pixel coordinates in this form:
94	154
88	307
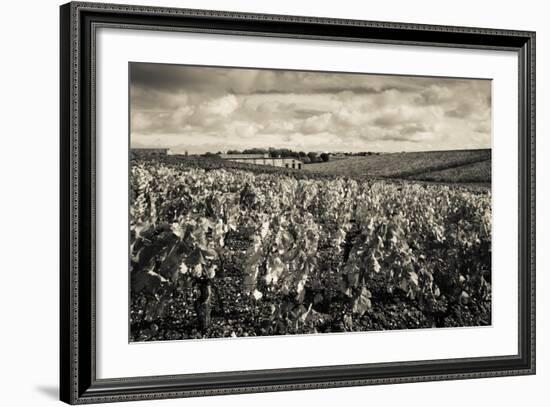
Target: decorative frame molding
78	382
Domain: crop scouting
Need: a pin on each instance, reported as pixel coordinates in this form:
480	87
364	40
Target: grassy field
442	166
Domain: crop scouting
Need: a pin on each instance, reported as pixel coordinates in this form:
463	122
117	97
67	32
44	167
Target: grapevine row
430	243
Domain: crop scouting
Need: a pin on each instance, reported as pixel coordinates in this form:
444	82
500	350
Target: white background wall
29	202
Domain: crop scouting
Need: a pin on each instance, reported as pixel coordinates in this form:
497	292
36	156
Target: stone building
264	159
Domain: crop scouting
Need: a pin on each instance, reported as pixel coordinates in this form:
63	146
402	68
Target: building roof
257	157
242	156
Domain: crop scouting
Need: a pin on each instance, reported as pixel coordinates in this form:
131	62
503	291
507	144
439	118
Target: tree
313	157
325	157
285	153
210	155
273	153
255	151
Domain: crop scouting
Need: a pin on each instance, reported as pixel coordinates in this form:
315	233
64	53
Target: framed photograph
255	203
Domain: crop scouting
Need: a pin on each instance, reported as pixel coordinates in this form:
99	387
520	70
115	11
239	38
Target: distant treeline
305	157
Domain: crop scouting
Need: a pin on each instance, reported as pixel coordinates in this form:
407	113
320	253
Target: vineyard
229	252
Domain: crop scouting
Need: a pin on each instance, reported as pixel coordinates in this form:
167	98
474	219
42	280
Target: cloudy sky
203	109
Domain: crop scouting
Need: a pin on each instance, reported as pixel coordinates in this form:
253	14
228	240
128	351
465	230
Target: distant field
441	166
476	172
458	166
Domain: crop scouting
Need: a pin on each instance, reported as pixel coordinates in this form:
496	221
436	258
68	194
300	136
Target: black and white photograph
277	202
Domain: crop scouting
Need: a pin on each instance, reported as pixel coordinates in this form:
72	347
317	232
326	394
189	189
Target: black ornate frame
78	382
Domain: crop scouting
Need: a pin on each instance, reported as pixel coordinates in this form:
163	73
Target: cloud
204	109
414	128
461	111
317	124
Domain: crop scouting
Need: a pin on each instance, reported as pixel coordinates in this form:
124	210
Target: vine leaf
362	303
